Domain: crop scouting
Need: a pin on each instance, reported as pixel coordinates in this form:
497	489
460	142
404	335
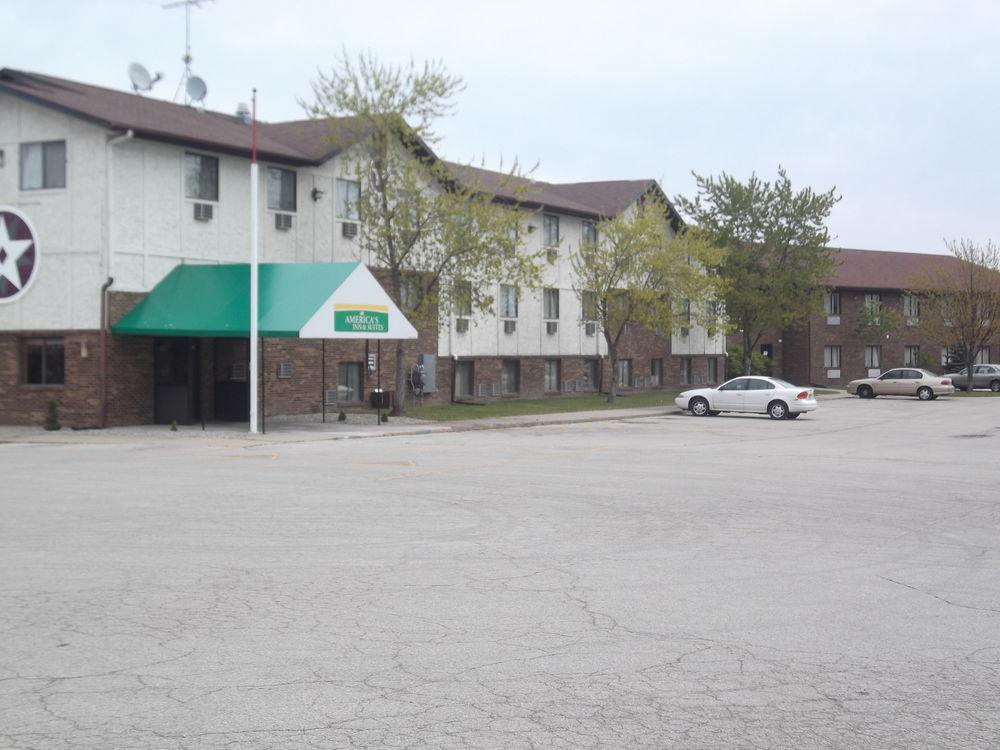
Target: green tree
440	236
777	258
635	274
962	300
876	320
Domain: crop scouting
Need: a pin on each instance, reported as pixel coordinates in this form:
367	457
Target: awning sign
352	318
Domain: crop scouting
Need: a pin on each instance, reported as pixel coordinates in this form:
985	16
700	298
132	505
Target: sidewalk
287	430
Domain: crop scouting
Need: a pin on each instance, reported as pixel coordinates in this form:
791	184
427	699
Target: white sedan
756	394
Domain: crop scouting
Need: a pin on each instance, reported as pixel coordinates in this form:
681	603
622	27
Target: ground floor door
231	394
177	373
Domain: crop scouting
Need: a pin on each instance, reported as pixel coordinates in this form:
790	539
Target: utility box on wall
429	363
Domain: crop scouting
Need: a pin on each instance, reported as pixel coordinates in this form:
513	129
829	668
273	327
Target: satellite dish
196	89
140	77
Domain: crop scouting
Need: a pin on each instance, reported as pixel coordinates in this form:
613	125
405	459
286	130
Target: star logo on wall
18	254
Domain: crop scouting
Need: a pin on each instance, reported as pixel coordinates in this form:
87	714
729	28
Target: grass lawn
522	407
968	394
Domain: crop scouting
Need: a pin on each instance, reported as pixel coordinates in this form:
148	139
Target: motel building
124	276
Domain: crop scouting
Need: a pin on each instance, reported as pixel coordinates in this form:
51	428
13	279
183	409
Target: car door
912	379
888	383
729	396
982	375
758	395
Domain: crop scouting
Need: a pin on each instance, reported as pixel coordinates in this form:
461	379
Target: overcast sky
894	103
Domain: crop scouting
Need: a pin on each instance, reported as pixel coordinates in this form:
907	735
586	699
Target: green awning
296	300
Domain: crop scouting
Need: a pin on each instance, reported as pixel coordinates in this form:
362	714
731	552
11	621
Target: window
831	303
462	298
349	382
911	306
739	384
280	189
624	373
711	312
551	304
588	302
944	356
831	357
656	372
589	233
911	356
508	301
873	357
552	375
590	370
550	230
464	379
410	293
873	304
713	371
983	356
201	177
756	384
510	376
44	362
43	165
685	370
348	198
686	311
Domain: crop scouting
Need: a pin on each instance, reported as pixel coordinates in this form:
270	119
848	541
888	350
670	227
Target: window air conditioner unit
203	211
284	370
349	229
482	390
330	396
551	327
571	386
590	329
283	221
238	371
461	325
509	326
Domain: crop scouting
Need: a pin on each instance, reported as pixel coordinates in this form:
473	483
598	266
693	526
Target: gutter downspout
106	264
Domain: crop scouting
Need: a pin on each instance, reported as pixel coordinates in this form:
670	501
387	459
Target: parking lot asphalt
728	582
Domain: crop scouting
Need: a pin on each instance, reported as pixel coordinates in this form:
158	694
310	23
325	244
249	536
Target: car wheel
777	410
924	393
866	391
794	415
699	407
995	386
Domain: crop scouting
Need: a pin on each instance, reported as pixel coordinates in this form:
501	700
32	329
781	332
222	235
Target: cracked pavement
733	582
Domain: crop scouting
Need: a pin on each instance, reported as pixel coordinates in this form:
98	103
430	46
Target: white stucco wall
69	221
152	229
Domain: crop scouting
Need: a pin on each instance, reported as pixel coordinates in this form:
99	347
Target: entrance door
175	364
232	384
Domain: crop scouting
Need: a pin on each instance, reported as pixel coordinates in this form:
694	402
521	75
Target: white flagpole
254	333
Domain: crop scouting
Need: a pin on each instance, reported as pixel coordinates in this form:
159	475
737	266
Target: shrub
759	364
52	416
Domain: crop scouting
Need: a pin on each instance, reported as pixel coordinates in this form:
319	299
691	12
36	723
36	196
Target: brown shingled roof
879	269
165	121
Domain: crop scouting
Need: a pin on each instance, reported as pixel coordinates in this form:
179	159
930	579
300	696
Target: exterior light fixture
316	194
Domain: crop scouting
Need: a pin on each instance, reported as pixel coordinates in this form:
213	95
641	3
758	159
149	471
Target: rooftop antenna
199	87
141	79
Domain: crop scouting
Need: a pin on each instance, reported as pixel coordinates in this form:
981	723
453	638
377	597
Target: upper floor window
550	230
551	300
348	198
280	189
831	302
201	177
43	165
588	301
686	311
911	306
589	233
462	298
508	301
